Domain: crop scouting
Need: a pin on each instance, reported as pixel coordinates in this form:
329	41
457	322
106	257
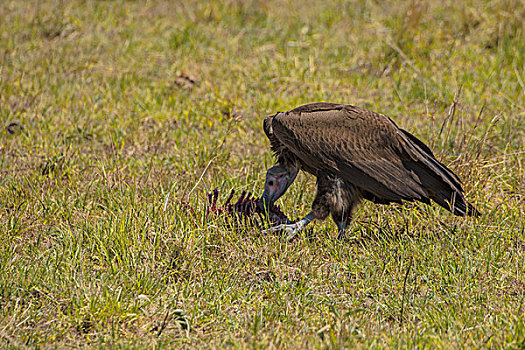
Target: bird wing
368	150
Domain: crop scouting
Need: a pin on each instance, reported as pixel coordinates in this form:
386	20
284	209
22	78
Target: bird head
278	179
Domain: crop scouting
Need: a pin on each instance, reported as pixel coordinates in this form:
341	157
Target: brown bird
355	154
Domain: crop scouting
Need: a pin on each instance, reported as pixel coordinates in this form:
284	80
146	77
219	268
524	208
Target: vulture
355	154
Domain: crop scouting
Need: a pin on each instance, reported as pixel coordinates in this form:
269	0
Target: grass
115	112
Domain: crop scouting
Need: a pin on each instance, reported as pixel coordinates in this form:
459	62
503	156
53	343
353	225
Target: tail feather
441	184
456	203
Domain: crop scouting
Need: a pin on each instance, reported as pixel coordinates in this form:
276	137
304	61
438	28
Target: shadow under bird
355	154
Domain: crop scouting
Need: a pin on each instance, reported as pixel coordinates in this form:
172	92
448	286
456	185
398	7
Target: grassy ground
114	112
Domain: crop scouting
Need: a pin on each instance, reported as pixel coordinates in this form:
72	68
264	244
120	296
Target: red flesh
244	210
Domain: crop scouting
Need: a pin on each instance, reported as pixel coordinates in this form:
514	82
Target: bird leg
342	228
292	229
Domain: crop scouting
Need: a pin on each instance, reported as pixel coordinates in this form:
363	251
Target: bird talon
292	229
273	229
292	236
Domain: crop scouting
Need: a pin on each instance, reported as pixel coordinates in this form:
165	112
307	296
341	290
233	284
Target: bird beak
277	182
267	200
264	203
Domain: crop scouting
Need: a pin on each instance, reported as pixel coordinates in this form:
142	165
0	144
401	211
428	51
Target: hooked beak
265	203
278	180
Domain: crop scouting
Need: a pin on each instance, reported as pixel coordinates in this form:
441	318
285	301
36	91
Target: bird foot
293	230
342	230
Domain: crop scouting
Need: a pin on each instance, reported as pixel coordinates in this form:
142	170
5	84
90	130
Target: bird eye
270	183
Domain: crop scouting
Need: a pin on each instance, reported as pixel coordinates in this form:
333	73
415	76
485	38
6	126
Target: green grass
113	113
